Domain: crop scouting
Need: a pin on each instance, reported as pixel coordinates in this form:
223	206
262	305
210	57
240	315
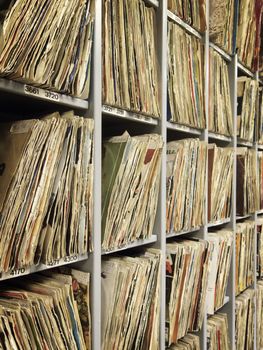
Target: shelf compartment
181	233
221	52
183	128
245	143
121	113
215	136
136	244
36	93
219	222
245	70
184	25
42	267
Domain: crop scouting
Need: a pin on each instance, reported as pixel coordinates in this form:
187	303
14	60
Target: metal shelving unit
36	93
238	218
121	113
184	128
219	222
101	113
154	3
244	143
182	233
41	267
221	52
245	70
223	138
138	243
184	25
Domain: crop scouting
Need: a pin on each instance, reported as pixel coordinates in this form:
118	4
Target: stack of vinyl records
130	67
222	242
259	308
192	12
247	189
260	179
259	118
43	312
33	48
220	113
131	302
245	257
46	189
187	266
220	176
259	225
247	31
189	342
130	187
185	78
221	23
245	309
247	98
217	332
185	184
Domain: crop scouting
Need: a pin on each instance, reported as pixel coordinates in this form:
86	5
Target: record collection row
33	309
47	178
54	169
129	47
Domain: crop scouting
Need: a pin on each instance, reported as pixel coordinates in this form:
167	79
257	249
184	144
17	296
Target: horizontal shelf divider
34	92
219	222
121	113
226	301
243	217
183	128
215	136
259	212
221	52
248	287
186	26
245	70
153	3
245	143
42	267
138	243
180	233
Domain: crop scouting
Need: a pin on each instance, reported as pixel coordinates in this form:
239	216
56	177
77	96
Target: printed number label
107	108
31	90
72	258
119	111
53	263
51	95
48	95
17	272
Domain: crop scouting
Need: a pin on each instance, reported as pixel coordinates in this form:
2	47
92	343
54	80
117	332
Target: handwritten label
45	94
69	259
18	272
